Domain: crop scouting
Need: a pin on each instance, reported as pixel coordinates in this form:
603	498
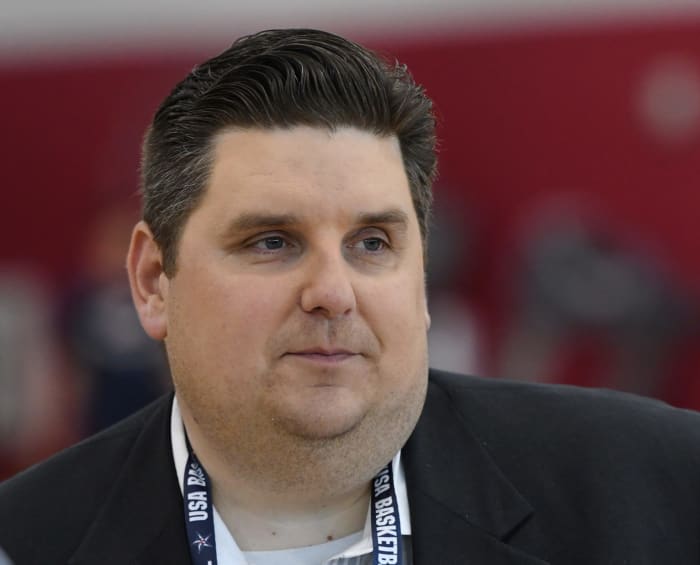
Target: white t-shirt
343	551
321	553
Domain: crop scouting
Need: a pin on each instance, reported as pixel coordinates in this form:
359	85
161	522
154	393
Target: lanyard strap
386	526
199	513
199	516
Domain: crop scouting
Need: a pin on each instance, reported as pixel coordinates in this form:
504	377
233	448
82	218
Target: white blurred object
669	102
28	362
453	339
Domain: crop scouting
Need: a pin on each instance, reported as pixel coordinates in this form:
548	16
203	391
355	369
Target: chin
322	420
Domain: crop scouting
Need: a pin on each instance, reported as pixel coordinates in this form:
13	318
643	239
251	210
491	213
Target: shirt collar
225	544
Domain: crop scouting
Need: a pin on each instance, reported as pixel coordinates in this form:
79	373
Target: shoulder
511	416
578	405
603	471
70	488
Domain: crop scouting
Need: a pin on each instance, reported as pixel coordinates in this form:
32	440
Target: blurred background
566	243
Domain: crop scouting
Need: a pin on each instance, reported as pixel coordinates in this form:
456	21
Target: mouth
323	355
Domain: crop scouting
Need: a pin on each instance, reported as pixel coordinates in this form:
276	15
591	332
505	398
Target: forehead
307	168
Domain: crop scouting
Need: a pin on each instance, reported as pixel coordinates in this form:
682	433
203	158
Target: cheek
408	302
237	316
255	308
397	314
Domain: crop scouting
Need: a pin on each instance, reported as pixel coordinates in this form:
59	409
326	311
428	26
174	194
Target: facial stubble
283	458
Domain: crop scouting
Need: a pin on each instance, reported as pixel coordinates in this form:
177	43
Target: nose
328	288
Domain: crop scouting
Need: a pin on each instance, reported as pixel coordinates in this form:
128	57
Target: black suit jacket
498	473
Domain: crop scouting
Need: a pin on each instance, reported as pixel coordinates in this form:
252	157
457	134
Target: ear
149	285
428	320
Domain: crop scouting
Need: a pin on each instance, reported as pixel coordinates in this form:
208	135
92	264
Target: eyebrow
254	221
393	216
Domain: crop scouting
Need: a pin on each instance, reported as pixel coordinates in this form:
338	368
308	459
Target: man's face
298	306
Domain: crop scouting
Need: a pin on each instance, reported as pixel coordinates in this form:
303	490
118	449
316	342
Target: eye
271	243
370	242
373	244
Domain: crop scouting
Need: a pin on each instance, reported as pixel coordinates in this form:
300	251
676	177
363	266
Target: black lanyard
386	526
199	516
199	512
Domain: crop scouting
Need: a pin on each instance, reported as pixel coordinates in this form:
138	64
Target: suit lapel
462	507
142	521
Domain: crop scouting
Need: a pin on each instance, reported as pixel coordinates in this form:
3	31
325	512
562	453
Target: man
286	199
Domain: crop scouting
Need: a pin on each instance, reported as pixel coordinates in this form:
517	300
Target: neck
327	499
267	523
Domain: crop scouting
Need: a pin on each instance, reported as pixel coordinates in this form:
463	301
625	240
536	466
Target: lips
323	351
323	355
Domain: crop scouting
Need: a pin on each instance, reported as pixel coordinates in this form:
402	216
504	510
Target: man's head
279	79
287	190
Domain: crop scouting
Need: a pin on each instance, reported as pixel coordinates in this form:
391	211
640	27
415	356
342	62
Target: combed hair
279	79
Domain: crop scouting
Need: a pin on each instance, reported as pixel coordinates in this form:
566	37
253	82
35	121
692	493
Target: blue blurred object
4	559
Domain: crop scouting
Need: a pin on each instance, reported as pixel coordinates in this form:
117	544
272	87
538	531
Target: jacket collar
463	509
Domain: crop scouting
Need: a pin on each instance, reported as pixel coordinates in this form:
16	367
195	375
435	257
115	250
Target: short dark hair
279	79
